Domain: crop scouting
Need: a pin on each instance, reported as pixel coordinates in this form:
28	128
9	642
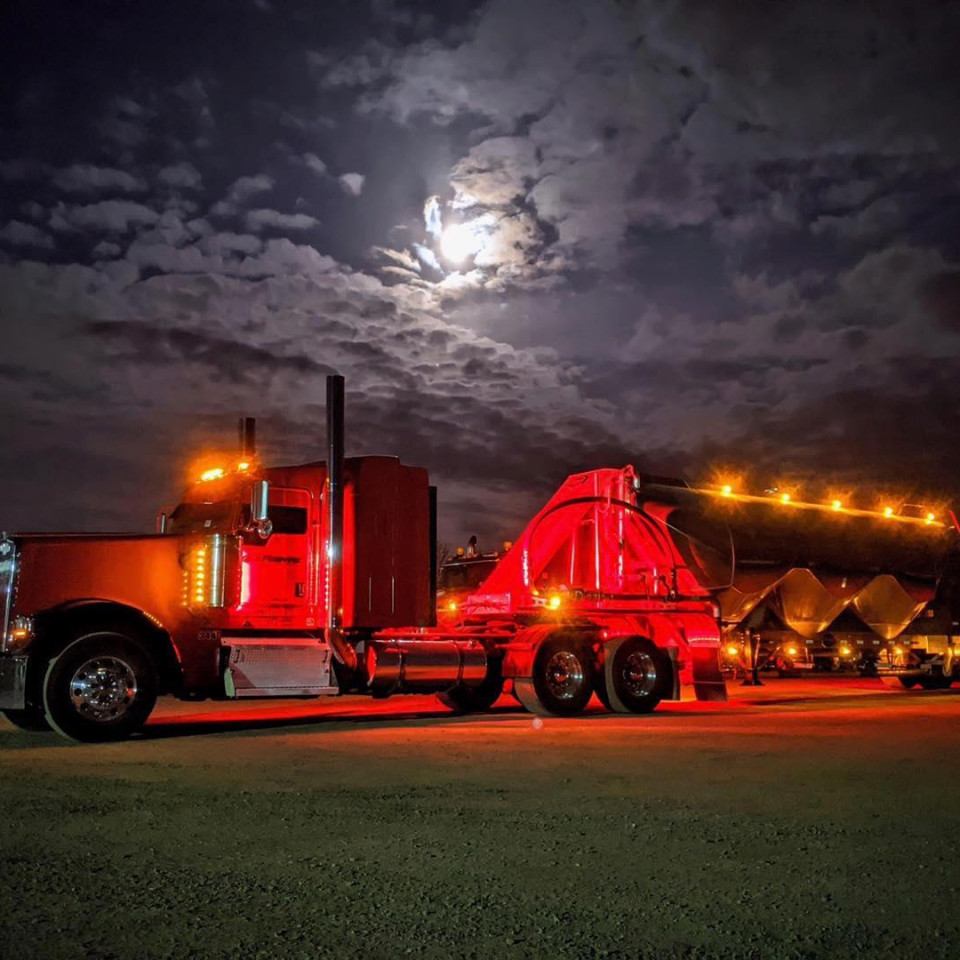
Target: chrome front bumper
13	682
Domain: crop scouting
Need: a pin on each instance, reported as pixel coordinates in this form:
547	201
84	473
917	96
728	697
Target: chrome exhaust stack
248	438
343	650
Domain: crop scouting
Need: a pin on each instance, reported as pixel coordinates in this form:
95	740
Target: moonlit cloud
352	183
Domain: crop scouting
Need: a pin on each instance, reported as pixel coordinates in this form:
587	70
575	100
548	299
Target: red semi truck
320	579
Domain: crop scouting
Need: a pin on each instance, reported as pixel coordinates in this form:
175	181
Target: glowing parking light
555	601
452	606
726	490
243	465
733	651
836	506
792	651
888	511
845	651
784	497
930	518
215	474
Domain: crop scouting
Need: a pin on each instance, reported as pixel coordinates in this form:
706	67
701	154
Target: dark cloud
87	178
238	362
258	220
19	234
941	296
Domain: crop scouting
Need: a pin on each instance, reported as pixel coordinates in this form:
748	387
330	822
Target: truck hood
142	571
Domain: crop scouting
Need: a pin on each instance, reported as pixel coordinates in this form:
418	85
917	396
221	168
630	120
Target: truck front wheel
100	687
562	679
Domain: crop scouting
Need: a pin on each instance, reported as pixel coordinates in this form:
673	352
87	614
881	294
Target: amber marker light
452	606
215	474
243	465
784	497
836	506
555	601
733	651
888	511
726	490
792	651
930	518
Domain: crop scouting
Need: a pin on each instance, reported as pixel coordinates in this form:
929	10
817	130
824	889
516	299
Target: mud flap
674	655
708	683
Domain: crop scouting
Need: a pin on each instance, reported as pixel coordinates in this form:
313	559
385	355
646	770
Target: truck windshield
219	516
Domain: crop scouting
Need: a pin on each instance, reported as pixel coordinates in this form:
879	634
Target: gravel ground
816	819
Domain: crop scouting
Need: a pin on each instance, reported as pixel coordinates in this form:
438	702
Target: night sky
694	236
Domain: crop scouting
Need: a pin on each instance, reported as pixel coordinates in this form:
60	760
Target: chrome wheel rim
103	688
639	674
564	675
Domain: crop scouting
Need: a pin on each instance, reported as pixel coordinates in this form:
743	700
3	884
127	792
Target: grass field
818	818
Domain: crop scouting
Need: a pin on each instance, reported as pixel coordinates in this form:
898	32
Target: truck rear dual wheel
100	687
561	680
636	676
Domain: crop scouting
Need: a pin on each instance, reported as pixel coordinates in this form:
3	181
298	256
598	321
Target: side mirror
260	510
161	522
260	500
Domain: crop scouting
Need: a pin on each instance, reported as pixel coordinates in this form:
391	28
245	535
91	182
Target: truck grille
8	568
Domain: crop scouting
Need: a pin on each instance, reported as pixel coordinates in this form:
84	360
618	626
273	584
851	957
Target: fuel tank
806	563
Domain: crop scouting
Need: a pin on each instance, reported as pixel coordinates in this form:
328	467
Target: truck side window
288	519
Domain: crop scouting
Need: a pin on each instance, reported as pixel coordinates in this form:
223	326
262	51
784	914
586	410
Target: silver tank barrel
807	566
424	666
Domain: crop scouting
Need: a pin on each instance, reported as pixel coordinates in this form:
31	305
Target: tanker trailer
818	585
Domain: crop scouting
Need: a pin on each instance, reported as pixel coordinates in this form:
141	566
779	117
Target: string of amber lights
726	492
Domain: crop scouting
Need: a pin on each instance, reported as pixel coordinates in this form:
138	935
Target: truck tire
100	687
909	682
32	720
476	699
562	677
637	675
937	681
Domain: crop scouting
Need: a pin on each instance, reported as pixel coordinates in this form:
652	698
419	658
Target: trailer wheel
637	675
476	699
32	720
100	687
937	681
562	679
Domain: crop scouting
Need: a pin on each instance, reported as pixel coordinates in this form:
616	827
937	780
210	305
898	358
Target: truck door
275	588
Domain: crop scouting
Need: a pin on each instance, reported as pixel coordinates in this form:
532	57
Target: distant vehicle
461	575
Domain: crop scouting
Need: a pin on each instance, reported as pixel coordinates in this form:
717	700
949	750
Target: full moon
459	241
